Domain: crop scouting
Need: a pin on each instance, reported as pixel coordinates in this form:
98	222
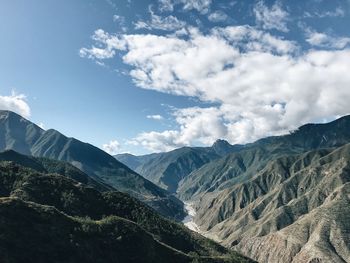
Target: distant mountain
223	147
169	168
296	209
280	199
65	221
241	165
19	134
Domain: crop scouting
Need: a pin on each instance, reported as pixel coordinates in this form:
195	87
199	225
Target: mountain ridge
23	136
87	225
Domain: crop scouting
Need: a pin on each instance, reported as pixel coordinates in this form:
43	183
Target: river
188	221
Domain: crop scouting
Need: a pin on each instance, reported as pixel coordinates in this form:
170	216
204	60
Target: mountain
45	165
280	199
296	209
169	168
67	221
19	134
223	147
241	165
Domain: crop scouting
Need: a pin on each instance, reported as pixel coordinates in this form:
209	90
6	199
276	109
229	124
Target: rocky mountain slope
19	134
66	221
297	209
169	168
280	199
240	166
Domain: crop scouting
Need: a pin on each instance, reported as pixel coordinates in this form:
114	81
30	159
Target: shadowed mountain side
110	222
45	165
56	237
19	134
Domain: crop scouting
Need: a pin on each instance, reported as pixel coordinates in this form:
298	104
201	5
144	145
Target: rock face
19	134
67	221
280	199
289	212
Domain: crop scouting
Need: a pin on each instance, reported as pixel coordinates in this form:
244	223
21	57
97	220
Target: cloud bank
258	84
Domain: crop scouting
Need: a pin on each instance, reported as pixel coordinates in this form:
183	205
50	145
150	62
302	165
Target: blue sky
145	76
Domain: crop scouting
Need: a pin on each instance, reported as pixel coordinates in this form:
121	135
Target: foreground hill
19	134
66	221
169	168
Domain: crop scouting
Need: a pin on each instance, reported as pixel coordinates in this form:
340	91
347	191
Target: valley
259	196
188	221
279	199
174	131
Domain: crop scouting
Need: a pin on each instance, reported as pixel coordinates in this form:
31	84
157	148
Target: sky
149	76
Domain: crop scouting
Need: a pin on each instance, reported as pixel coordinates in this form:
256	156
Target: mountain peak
221	143
4	114
222	147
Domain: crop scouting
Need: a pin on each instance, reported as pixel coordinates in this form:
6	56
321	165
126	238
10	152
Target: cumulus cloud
112	148
197	126
168	23
155	117
259	84
16	103
271	18
326	41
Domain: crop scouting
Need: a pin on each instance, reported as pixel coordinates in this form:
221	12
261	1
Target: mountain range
23	136
169	168
47	216
280	199
262	198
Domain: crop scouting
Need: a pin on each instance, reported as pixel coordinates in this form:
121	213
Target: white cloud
218	16
326	41
155	117
111	42
16	103
271	18
112	148
338	12
166	5
261	84
202	6
168	23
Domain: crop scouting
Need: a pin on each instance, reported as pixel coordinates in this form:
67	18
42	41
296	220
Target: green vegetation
67	221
